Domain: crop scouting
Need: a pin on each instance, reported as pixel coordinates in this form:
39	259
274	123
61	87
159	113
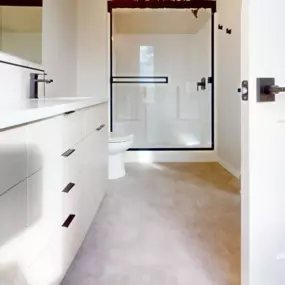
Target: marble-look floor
164	224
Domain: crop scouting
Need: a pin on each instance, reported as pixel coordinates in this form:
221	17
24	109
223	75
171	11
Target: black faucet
201	84
34	84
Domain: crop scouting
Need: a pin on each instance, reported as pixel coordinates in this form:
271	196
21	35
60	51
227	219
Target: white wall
75	52
92	47
60	46
15	81
24	45
156	21
75	47
228	70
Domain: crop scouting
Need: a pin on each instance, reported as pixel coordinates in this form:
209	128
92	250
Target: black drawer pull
100	128
68	187
68	152
69	113
68	221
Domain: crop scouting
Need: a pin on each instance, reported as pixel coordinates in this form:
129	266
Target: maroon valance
160	4
23	3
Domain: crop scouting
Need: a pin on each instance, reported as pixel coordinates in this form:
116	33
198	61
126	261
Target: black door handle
68	188
69	112
68	152
100	128
68	221
202	84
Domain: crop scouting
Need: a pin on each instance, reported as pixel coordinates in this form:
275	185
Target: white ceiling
21	19
160	21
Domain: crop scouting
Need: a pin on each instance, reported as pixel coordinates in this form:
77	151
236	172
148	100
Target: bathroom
170	211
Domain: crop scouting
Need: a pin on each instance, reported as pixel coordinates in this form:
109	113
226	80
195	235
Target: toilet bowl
118	145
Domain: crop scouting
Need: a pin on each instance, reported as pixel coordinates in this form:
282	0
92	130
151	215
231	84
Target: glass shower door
156	95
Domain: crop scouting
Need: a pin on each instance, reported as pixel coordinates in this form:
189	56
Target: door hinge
244	90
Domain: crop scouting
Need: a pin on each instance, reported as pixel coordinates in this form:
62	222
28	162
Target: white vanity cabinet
47	207
13	157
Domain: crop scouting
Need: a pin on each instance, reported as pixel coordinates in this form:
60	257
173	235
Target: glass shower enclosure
162	78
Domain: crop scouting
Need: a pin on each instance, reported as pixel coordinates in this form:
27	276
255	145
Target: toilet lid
117	137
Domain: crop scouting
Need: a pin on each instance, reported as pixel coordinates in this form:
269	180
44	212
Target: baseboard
231	169
171	156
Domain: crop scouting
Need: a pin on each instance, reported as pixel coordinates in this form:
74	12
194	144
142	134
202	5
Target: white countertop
17	112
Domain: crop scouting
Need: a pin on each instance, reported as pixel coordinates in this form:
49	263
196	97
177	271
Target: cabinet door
73	129
13	213
11	274
13	157
44	142
44	212
55	259
102	163
95	117
12	224
73	173
96	166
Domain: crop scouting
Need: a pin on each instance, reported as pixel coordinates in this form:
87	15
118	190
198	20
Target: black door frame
117	4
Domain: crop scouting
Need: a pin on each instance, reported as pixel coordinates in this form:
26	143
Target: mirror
21	32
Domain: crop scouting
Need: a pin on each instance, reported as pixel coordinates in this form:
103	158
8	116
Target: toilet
118	145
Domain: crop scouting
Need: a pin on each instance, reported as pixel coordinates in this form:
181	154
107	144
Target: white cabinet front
44	143
73	129
13	213
59	167
13	158
13	209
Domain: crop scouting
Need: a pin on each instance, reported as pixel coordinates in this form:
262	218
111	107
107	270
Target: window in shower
163	115
146	60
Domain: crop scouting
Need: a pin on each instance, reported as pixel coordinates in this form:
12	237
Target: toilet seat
117	138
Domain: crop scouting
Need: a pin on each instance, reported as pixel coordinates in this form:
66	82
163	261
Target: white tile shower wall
173	114
14	80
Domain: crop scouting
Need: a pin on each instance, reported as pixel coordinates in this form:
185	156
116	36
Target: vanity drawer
96	155
13	213
96	117
73	163
13	157
73	169
71	195
44	143
44	211
11	275
73	129
54	261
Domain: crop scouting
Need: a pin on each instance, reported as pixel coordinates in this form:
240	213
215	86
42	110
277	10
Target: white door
263	144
